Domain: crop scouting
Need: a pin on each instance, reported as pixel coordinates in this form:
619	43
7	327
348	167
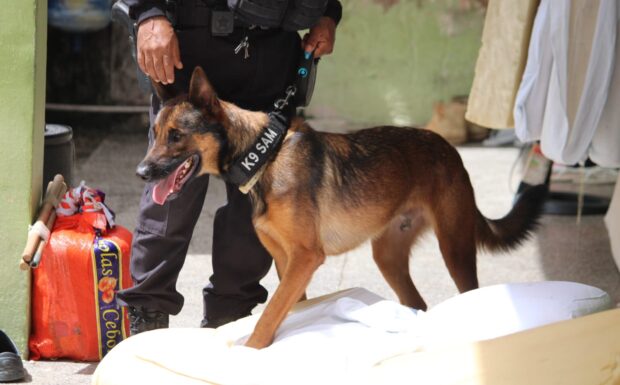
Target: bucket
79	15
59	153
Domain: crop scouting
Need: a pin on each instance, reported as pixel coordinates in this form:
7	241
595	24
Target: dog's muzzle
144	171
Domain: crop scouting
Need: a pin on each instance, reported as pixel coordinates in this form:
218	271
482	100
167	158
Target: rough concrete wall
22	95
124	87
394	58
77	66
92	68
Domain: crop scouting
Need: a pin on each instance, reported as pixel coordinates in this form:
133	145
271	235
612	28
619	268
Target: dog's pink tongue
165	187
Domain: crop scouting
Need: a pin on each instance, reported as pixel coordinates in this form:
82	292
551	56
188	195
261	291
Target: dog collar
245	170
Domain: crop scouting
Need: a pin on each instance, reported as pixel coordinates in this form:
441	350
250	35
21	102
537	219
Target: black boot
142	319
11	366
219	310
208	322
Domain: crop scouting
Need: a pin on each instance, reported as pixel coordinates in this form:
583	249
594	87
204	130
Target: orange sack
74	310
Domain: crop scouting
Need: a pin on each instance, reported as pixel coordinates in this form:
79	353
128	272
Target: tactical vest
290	15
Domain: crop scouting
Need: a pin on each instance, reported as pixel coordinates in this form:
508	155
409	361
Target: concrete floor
560	250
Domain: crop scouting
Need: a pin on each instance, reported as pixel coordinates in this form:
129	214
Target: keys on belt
244	45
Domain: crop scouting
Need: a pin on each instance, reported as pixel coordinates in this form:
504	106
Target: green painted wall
394	58
23	34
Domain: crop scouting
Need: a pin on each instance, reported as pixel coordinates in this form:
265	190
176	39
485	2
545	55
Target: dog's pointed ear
201	92
163	91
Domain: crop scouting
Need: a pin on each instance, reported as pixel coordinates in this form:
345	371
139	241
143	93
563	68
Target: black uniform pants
163	233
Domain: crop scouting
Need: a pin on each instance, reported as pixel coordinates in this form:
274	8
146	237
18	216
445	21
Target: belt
187	14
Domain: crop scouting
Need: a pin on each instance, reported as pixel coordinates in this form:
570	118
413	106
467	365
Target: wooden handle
55	191
23	265
32	243
36	259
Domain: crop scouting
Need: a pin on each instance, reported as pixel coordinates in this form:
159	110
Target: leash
249	167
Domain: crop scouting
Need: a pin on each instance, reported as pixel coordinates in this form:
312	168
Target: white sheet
339	339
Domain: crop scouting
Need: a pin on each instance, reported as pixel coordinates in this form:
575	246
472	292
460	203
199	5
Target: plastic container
59	155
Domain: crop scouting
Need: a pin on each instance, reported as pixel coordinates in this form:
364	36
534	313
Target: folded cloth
11	366
88	202
499	310
340	338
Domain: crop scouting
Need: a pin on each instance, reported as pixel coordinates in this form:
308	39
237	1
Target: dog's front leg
279	256
299	270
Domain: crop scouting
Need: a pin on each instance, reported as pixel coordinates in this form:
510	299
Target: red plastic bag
74	309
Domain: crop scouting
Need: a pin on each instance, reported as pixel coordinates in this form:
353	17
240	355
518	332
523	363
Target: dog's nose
144	171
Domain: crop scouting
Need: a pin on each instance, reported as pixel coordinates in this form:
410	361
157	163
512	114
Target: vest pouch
303	14
263	13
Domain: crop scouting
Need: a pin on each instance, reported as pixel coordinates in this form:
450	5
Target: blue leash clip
306	76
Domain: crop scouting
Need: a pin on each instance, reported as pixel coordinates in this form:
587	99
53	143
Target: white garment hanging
531	99
605	149
541	108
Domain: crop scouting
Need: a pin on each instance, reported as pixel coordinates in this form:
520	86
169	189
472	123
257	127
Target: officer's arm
322	36
333	10
157	45
140	10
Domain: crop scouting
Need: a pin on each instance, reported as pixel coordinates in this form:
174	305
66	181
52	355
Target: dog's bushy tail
510	231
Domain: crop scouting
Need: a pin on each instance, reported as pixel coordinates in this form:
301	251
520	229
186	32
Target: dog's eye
174	136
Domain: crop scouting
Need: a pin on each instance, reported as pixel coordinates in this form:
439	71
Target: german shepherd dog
324	194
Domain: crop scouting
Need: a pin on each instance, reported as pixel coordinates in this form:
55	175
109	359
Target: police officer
250	65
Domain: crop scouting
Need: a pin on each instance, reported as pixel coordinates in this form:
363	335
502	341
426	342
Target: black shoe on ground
142	320
11	366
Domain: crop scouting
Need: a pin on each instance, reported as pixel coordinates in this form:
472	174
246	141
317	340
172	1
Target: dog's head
189	134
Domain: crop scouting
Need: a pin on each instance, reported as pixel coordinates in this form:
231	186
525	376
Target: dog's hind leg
454	223
391	253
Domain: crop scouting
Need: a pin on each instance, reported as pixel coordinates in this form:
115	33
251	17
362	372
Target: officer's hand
158	49
321	37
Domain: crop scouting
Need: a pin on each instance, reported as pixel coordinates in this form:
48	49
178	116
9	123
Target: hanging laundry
500	63
605	147
568	90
